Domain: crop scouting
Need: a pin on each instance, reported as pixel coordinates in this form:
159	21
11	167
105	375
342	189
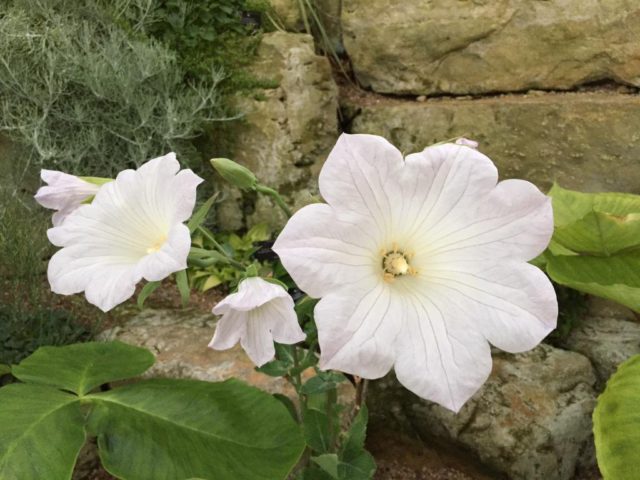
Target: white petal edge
323	252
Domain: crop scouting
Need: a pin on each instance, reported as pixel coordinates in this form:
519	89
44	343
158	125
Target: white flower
63	193
420	262
132	230
256	315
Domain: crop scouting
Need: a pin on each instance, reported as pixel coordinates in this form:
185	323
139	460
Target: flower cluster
420	263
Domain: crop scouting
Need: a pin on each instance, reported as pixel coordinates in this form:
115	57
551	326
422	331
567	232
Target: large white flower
420	262
63	193
256	315
132	230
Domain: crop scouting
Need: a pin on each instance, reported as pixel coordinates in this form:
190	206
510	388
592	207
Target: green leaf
82	367
274	368
182	281
356	463
4	369
146	291
197	218
322	382
616	278
328	463
42	432
212	281
316	430
600	233
616	423
595	223
258	233
288	403
168	429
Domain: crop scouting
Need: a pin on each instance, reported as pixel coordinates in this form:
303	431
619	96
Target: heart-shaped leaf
41	433
169	429
82	367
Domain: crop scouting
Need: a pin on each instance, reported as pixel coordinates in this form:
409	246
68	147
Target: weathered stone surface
586	141
288	14
179	341
532	418
288	130
465	46
608	335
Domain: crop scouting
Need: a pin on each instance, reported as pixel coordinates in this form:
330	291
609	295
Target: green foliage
596	244
616	423
26	320
83	367
153	429
42	432
351	462
213	269
86	95
24	329
203	34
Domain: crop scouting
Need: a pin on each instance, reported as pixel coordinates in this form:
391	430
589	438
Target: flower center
157	245
395	263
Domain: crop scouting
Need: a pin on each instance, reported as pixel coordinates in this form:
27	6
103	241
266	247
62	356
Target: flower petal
323	252
257	340
515	221
357	328
172	256
283	321
106	280
441	185
360	176
229	329
438	358
252	293
512	304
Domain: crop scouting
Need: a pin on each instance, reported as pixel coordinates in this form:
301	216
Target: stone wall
548	88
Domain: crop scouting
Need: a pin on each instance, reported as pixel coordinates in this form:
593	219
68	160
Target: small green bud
235	173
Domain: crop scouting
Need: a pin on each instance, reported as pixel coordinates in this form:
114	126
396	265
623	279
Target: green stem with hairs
276	197
228	257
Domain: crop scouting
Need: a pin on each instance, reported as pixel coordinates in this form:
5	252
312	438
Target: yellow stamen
157	245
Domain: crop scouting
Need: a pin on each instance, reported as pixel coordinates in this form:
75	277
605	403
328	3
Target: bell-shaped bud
235	173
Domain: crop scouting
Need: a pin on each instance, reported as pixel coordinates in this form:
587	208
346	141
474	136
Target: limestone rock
288	131
179	341
608	335
479	46
531	419
288	14
587	141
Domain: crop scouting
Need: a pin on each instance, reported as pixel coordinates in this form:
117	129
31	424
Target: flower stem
361	394
228	257
276	196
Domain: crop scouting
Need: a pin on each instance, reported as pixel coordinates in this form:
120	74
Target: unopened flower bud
235	173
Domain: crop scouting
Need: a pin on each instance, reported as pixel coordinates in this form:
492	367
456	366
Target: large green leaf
41	432
82	367
600	233
173	429
616	424
616	278
596	223
569	205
